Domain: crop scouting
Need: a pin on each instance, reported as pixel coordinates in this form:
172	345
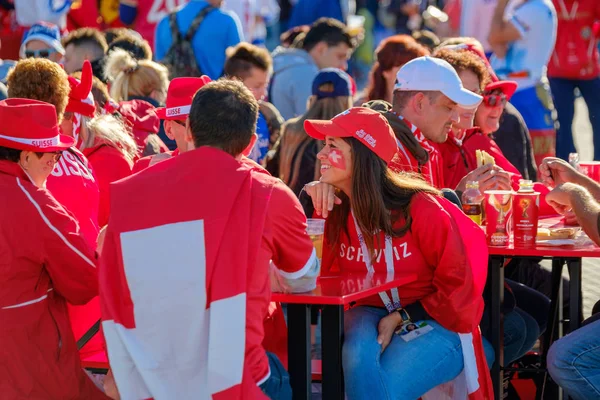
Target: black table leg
332	334
557	267
496	276
574	266
299	350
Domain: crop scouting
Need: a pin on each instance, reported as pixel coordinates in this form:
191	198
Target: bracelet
403	314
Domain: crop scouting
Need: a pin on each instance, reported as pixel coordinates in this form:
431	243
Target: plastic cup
498	211
316	229
591	169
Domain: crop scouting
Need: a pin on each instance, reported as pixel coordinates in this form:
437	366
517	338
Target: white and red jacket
191	266
45	263
450	261
405	161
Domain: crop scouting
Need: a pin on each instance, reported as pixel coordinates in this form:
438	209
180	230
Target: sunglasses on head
494	100
57	155
44	53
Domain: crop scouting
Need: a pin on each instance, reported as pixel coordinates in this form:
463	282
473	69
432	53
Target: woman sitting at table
396	224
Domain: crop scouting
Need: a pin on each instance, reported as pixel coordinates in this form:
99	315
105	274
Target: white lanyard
390	305
568	15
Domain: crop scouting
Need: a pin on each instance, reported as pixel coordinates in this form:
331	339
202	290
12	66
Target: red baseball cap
364	124
31	125
507	87
179	97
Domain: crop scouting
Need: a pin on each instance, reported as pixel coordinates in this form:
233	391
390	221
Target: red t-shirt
444	256
150	13
144	162
576	49
287	244
110	165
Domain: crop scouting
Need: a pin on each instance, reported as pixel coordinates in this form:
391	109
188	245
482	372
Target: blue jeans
564	101
405	370
574	362
521	331
277	387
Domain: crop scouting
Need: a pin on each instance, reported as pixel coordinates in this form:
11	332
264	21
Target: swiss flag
173	278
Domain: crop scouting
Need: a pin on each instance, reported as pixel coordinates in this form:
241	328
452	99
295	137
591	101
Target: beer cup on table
498	211
316	229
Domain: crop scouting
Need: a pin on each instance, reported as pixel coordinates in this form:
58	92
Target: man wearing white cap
42	41
426	98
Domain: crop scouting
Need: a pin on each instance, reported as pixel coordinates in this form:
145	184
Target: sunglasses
44	53
57	155
178	122
494	100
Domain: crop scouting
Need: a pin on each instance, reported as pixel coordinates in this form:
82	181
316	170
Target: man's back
527	57
218	31
206	235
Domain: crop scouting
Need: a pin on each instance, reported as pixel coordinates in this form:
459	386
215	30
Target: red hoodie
110	165
459	159
141	118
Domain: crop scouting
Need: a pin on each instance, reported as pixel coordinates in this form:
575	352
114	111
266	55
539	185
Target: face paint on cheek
337	160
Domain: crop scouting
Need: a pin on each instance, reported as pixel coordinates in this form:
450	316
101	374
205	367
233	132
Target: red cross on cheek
336	158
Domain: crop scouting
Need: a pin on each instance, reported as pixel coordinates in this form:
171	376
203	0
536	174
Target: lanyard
393	304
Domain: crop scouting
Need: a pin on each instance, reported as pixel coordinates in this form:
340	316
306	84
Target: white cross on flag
173	279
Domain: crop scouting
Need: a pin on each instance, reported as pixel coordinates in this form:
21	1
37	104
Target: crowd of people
158	165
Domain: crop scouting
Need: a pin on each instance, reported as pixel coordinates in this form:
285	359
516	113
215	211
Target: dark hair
380	198
223	115
465	60
138	48
288	37
245	56
86	37
111	34
427	39
6	153
394	51
330	31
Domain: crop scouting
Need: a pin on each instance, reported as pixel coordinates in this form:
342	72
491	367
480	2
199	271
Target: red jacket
209	240
74	185
459	159
431	171
576	50
110	165
45	263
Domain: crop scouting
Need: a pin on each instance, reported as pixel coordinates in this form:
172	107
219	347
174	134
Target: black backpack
180	59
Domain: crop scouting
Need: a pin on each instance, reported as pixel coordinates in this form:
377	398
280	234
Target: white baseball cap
430	74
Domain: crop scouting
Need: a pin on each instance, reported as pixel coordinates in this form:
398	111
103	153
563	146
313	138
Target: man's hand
555	171
490	177
561	198
387	326
323	197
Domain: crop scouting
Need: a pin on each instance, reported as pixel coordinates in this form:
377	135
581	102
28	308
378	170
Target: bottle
471	202
574	160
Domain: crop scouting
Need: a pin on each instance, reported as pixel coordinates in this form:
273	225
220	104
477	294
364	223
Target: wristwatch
403	314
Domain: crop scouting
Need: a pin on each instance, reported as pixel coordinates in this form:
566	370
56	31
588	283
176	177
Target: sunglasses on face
43	53
56	155
494	100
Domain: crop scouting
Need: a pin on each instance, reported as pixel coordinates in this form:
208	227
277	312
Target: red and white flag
173	279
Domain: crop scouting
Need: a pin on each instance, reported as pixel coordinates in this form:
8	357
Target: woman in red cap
380	227
46	262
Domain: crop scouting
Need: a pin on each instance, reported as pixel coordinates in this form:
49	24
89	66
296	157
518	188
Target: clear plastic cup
316	229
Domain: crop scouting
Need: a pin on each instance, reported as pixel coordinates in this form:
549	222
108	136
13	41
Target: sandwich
556	233
483	158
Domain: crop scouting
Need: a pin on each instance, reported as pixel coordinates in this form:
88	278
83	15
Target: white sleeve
525	16
296	283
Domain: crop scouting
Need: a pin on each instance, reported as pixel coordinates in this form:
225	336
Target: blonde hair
294	140
112	131
131	77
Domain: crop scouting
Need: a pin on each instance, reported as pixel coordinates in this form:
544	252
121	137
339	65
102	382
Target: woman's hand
387	326
110	386
323	197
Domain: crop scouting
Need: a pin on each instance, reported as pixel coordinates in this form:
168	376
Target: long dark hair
380	197
394	51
